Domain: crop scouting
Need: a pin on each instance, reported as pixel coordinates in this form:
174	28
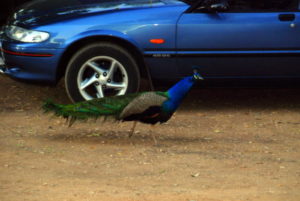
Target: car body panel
239	44
67	32
224	45
39	12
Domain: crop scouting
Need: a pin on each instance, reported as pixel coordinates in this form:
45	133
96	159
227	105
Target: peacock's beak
197	76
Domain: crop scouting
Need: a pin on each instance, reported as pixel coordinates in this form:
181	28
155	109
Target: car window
262	5
256	5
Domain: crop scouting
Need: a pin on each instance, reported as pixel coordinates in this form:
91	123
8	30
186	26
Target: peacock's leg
154	138
152	135
132	129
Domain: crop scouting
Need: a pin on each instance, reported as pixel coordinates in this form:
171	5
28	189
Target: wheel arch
73	47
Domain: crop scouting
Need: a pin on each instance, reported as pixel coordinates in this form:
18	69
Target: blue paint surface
225	45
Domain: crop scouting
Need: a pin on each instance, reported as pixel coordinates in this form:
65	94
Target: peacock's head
196	75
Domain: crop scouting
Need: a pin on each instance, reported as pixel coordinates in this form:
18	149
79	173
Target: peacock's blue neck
177	93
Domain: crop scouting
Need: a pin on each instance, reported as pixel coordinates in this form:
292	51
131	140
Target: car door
243	42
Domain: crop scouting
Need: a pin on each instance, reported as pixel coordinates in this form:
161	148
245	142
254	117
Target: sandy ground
222	145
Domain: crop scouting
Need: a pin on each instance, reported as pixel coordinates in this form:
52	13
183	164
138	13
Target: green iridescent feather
95	108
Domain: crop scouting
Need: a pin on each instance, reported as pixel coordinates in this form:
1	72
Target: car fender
76	42
103	33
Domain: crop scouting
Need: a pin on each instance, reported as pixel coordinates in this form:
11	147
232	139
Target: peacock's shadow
121	138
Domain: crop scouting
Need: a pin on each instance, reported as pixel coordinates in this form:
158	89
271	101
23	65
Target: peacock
150	107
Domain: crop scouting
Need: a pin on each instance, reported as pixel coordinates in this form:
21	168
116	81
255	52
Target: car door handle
287	17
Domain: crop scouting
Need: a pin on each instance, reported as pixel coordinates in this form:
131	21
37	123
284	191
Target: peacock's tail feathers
115	107
108	107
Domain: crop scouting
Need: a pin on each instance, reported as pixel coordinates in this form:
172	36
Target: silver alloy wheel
102	76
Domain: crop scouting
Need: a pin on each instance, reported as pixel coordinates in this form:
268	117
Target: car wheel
99	70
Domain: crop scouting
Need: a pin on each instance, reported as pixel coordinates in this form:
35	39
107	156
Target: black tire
97	50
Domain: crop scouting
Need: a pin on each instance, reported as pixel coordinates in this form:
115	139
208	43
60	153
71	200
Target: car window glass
256	5
262	5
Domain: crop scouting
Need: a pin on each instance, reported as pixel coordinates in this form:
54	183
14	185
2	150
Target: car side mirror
213	8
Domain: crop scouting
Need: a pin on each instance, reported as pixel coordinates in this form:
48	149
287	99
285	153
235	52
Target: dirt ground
222	145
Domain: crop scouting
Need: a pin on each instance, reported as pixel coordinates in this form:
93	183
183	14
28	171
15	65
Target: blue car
104	47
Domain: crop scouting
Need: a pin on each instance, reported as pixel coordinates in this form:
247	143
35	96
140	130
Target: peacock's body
146	107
